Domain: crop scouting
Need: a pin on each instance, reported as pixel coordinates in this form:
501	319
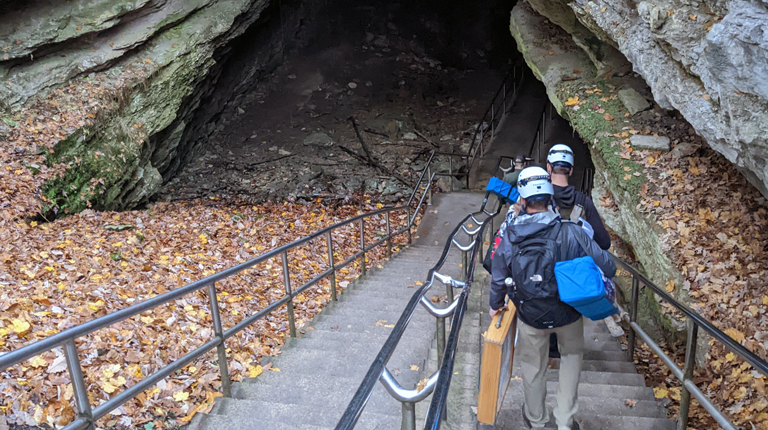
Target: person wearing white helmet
560	162
523	269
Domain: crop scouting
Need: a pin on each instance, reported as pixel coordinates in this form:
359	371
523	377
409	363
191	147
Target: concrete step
319	391
221	422
613	422
243	411
632	392
603	378
604	405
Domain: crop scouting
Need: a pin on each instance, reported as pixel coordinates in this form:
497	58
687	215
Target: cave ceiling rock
155	53
706	59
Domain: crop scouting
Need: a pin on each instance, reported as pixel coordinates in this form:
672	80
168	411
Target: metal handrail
694	322
378	367
513	79
87	415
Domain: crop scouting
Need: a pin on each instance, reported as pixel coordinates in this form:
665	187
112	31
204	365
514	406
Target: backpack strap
576	213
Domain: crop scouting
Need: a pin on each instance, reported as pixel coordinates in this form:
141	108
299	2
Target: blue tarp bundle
502	190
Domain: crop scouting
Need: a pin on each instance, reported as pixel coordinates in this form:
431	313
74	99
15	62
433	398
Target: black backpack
532	263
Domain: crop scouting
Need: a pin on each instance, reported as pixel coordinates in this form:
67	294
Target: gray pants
533	353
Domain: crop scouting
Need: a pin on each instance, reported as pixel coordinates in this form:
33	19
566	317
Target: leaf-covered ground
56	275
715	229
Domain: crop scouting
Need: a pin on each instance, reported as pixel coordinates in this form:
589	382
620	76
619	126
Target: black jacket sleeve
601	236
602	258
499	272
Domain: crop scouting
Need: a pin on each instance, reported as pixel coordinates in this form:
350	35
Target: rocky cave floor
291	136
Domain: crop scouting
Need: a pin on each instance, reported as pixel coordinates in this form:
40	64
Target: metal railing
441	379
494	114
694	322
87	414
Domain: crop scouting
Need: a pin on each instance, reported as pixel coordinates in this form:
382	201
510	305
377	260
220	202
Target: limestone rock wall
706	59
158	71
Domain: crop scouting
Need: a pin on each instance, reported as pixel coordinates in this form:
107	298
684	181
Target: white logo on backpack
536	278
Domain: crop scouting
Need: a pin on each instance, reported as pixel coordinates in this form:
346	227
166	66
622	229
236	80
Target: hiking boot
574	426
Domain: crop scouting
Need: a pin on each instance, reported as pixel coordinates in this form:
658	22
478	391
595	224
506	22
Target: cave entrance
274	118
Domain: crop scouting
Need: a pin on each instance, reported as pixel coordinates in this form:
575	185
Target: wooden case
496	368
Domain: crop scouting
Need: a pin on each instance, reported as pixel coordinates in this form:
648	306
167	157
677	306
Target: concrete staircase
321	370
612	395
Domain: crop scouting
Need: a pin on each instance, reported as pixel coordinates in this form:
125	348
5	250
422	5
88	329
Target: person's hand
499	310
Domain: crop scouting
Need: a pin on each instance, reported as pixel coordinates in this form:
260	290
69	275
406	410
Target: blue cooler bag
502	190
580	284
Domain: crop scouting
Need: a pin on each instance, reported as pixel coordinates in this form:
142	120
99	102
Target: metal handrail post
409	416
493	127
690	363
221	349
464	268
429	188
389	238
440	339
408	224
78	383
505	96
362	247
287	280
333	267
633	317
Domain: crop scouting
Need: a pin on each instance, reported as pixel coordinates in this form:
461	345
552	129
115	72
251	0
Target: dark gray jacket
527	225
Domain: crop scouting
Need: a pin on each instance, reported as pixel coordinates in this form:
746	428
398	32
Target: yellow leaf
765	300
38	361
627	169
108	387
735	334
180	396
20	327
694	170
651	160
730	356
414	367
255	371
274	369
670	286
572	101
627	177
419	283
389	326
117	382
147	320
660	392
379	205
33	224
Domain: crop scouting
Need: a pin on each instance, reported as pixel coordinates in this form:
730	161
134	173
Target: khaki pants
533	353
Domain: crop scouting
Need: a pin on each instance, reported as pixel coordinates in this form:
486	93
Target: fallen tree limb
426	139
375	164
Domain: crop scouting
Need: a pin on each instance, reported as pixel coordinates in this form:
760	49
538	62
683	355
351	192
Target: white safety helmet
560	154
534	181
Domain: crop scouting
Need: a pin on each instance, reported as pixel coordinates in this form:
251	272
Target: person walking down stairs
567	197
523	269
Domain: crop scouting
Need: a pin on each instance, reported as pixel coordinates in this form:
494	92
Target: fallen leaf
660	392
572	101
670	286
414	367
630	402
735	334
608	117
20	327
180	396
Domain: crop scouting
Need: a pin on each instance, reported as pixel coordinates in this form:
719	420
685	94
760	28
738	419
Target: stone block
633	101
655	143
